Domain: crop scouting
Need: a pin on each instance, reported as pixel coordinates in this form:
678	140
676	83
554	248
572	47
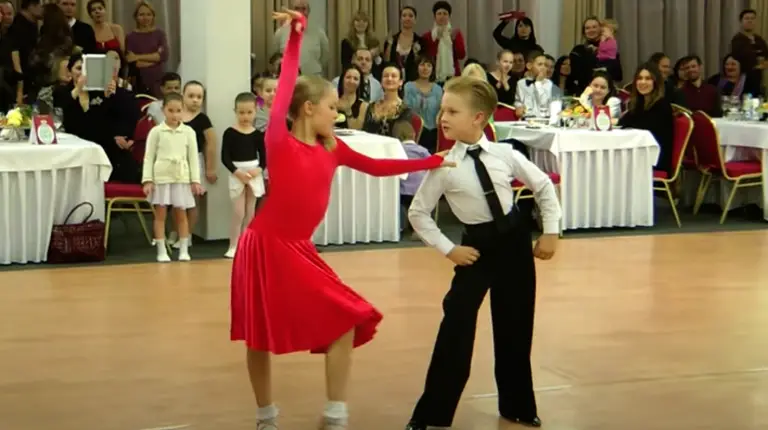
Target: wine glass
58	118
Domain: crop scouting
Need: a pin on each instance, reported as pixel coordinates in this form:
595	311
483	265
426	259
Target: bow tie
529	82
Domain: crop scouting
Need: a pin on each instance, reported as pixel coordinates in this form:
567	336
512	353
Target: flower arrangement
574	108
16	121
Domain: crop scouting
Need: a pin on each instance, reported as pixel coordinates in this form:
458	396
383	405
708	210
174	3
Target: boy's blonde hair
612	23
479	93
474	70
310	88
402	130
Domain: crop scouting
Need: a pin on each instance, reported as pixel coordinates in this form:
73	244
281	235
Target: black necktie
490	193
366	96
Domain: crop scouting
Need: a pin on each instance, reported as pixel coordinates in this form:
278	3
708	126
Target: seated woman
602	92
351	103
649	110
732	81
423	97
382	114
107	118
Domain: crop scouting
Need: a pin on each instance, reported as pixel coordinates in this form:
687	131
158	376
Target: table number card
601	118
43	132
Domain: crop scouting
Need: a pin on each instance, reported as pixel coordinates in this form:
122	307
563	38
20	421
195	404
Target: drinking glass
58	118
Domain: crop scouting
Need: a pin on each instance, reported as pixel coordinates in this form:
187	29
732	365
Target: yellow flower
341	118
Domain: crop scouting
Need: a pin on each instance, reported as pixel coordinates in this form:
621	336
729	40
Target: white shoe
267	425
230	253
327	423
184	256
177	243
163	258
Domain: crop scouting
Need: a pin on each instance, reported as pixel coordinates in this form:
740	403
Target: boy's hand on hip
463	255
545	246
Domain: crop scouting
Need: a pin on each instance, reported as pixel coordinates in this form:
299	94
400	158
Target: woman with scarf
732	81
444	43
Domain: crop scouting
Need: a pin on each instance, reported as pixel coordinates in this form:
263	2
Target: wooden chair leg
108	222
672	202
701	192
728	202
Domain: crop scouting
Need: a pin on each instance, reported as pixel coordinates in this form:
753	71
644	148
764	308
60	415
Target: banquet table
745	140
40	185
363	208
606	176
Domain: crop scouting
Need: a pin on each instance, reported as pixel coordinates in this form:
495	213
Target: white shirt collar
461	148
72	21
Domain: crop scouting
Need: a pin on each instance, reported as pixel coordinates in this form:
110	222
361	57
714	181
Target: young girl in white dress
171	175
242	153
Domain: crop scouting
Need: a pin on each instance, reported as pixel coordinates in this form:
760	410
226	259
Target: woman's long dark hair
638	101
609	80
527	21
55	34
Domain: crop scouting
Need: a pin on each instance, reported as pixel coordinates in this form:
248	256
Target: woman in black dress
404	47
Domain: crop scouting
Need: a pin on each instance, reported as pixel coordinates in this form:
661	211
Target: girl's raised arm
289	72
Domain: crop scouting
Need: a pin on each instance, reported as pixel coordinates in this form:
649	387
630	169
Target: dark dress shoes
528	422
415	426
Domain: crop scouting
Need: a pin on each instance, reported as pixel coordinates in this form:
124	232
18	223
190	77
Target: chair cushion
736	169
554	177
660	174
119	189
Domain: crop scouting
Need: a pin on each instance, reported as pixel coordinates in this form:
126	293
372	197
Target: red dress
285	298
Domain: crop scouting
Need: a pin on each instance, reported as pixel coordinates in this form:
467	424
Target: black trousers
506	268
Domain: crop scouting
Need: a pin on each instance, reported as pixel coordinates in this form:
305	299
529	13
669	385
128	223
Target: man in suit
82	33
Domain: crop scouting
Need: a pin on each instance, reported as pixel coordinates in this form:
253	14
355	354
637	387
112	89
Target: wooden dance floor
633	333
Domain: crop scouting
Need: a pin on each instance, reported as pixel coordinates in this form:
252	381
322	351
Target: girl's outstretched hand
289	16
442	154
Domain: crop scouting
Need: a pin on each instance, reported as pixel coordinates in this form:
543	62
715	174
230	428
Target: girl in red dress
285	298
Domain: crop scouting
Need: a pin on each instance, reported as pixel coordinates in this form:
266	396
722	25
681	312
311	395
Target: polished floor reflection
633	333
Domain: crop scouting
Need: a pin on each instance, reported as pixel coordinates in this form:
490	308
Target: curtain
574	14
340	13
677	28
263	29
475	19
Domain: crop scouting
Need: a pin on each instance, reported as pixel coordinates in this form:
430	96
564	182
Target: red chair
624	96
122	197
661	179
418	125
522	192
505	112
490	132
443	143
709	160
143	100
140	134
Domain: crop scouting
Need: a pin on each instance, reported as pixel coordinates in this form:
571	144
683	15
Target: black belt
492	229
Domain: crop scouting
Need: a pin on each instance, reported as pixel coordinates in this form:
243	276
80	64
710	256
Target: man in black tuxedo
82	33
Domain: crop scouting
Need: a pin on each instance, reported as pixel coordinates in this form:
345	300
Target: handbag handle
90	214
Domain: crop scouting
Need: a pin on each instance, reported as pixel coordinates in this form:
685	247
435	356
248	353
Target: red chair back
683	132
418	125
505	112
443	143
706	142
140	134
624	96
142	100
490	132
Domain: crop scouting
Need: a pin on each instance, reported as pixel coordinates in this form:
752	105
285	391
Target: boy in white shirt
534	93
169	83
495	254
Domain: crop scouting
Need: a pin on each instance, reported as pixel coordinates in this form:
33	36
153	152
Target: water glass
58	118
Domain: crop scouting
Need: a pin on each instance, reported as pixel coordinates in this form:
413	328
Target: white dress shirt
462	189
533	95
613	103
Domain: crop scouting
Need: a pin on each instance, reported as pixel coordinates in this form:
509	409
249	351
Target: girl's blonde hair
612	23
310	88
476	71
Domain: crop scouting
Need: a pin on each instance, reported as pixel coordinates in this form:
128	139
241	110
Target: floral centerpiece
15	123
573	108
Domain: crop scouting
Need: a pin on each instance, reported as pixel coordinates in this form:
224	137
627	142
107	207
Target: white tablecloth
745	141
606	177
364	208
39	186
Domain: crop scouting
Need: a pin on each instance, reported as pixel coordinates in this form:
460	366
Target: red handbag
77	243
